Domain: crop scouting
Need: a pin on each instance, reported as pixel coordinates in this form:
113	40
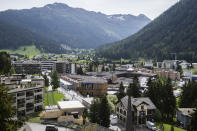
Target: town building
169	64
184	116
173	75
27	92
27	67
143	110
148	64
194	65
65	67
88	85
47	65
184	64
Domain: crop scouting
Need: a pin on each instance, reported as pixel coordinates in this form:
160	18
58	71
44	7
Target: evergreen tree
179	69
90	68
55	83
169	100
189	97
7	112
94	112
80	71
55	80
84	115
129	122
135	88
104	112
46	80
5	63
193	125
121	92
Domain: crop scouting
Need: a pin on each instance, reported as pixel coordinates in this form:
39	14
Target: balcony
21	108
38	93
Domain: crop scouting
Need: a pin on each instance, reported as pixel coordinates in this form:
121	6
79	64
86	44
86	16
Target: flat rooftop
87	79
67	105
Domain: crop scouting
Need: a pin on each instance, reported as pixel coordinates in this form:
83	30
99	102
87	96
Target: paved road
40	127
70	94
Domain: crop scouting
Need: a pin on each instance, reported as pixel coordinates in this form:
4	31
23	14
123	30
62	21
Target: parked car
151	125
51	128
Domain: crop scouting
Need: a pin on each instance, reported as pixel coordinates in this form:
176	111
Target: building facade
143	110
27	67
184	116
88	85
65	67
27	92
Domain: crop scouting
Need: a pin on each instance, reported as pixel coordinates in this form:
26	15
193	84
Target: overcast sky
151	8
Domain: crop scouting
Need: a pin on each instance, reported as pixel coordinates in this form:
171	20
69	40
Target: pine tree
121	92
104	112
129	122
80	71
55	80
55	83
7	112
193	125
135	88
170	100
94	112
46	80
5	63
84	115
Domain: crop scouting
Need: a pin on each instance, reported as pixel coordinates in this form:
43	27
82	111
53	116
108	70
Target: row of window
121	111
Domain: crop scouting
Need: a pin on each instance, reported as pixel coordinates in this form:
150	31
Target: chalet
143	110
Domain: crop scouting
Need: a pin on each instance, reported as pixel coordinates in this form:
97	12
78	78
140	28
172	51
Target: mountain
175	31
75	27
13	37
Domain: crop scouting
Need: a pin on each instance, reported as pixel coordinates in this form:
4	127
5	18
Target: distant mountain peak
142	16
57	5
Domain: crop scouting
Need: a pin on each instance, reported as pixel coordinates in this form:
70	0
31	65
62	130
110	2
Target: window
117	110
125	113
142	107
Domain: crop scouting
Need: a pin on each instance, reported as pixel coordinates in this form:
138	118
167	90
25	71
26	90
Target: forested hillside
75	27
13	37
175	31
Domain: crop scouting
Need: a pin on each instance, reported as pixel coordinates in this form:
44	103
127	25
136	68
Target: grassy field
34	118
29	51
194	71
167	127
57	97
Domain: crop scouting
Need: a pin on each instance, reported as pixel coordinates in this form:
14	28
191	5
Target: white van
151	125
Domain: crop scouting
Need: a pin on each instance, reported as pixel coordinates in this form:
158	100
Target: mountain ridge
75	27
174	31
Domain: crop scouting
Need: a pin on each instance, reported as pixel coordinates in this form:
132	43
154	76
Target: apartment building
142	110
173	75
65	67
27	92
27	67
88	85
47	65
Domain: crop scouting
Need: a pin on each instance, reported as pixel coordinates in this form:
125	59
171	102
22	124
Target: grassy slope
29	51
57	96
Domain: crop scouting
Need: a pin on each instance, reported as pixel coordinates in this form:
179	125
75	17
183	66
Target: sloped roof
137	101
